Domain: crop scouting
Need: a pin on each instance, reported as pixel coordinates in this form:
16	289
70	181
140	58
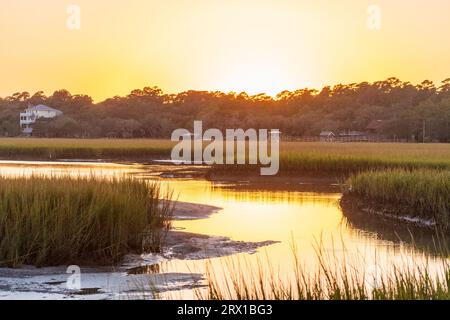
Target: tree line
404	109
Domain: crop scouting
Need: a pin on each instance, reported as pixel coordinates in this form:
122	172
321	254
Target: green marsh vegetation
65	220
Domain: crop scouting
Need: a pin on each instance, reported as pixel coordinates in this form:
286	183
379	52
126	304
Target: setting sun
254	45
257	77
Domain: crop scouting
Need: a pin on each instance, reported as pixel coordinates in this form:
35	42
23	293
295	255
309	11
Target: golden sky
229	45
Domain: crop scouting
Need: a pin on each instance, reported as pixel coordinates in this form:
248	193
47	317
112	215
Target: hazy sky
229	45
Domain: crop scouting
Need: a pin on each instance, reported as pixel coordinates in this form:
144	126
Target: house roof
326	133
42	107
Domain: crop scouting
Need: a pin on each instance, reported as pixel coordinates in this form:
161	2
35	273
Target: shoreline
170	170
137	276
354	205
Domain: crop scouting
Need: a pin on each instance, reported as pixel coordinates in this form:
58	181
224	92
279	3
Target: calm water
306	217
304	220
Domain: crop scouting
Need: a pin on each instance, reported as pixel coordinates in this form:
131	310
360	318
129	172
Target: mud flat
96	284
138	276
192	246
192	211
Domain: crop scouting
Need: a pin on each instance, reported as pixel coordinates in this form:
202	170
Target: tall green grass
63	220
421	193
333	279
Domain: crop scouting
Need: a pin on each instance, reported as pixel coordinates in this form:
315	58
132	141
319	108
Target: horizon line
314	90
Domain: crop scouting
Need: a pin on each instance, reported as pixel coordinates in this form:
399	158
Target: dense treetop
149	112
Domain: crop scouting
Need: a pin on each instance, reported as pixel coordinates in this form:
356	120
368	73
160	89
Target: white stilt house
33	113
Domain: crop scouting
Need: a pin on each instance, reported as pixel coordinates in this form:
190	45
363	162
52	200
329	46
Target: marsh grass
420	193
343	165
52	220
336	165
52	149
302	158
334	279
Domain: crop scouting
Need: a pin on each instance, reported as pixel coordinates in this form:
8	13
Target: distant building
327	136
354	136
374	127
33	113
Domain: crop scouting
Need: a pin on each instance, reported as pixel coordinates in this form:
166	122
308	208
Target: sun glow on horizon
256	46
256	78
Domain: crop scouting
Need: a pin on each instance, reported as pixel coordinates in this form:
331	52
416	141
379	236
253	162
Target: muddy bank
278	185
138	276
277	179
154	168
54	284
192	246
192	211
401	215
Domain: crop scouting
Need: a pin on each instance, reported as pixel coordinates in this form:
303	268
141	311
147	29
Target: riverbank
418	197
136	276
51	220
